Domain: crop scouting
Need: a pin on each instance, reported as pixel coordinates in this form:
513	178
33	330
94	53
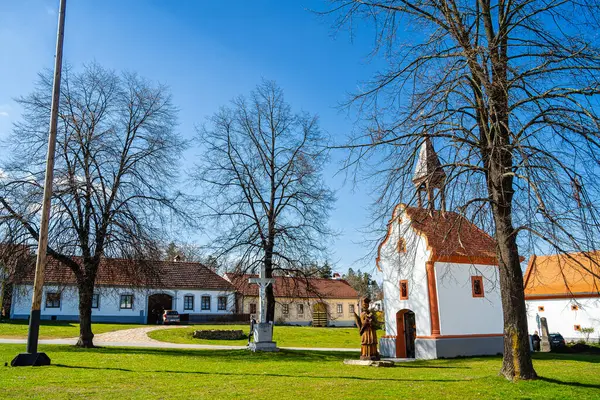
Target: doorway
319	314
406	334
157	304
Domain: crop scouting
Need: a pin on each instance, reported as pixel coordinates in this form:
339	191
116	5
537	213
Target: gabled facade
565	289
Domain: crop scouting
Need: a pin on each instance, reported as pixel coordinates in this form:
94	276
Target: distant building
301	301
440	278
190	288
565	289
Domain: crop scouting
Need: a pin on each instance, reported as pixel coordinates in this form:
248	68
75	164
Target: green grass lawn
114	373
285	336
55	329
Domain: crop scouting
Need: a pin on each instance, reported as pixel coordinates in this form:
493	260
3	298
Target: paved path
138	337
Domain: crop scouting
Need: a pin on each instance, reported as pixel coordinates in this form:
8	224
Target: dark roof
451	234
127	272
297	287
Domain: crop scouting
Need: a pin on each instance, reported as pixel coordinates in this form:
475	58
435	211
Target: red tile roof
121	272
448	235
297	287
563	275
451	234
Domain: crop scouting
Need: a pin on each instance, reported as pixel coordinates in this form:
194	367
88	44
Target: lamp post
32	357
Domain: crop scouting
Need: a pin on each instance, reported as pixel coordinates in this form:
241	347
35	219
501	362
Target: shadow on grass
591	358
566	383
262	375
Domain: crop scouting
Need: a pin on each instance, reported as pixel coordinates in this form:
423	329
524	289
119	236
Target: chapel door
410	333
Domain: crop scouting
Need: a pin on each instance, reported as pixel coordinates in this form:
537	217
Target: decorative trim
467	260
433	298
474	336
562	296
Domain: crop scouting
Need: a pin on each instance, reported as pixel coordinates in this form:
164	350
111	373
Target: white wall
410	266
110	301
460	312
562	319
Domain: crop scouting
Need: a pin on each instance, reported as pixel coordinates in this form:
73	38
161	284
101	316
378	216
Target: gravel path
138	337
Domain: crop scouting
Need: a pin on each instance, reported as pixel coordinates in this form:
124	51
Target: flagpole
32	357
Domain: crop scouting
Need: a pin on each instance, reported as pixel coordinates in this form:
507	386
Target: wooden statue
367	325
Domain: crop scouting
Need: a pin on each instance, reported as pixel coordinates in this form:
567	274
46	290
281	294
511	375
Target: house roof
296	287
563	275
449	235
122	272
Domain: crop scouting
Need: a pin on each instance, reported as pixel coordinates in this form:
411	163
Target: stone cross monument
263	330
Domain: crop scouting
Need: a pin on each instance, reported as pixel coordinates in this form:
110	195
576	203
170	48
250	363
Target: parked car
171	317
556	341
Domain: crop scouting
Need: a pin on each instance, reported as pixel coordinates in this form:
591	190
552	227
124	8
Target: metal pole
34	319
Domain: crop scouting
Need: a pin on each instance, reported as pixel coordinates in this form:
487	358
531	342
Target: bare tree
116	161
260	175
509	92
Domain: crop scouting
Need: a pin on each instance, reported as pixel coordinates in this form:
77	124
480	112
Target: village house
565	289
190	288
440	277
300	300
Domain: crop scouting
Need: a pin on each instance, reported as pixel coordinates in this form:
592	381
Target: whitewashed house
440	278
565	289
190	288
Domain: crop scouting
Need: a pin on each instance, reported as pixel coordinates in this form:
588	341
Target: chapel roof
428	166
563	275
125	272
449	235
296	287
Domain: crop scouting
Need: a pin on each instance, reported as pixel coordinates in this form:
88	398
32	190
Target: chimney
337	276
177	258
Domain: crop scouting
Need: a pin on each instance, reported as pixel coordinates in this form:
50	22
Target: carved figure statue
367	324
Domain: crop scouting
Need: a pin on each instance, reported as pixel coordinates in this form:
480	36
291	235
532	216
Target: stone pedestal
263	338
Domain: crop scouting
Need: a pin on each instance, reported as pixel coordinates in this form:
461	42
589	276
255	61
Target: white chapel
440	277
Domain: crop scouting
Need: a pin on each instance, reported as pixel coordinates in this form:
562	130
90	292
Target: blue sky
207	52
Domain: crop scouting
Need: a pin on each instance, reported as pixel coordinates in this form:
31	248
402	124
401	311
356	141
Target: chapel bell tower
429	175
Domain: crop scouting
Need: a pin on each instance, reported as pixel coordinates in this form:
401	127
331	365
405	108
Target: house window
300	309
95	301
188	302
477	286
285	309
205	304
574	307
52	300
340	308
401	245
351	308
403	290
127	301
541	308
222	303
577	327
252	308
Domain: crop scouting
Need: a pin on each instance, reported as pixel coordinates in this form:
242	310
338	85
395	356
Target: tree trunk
86	292
516	363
